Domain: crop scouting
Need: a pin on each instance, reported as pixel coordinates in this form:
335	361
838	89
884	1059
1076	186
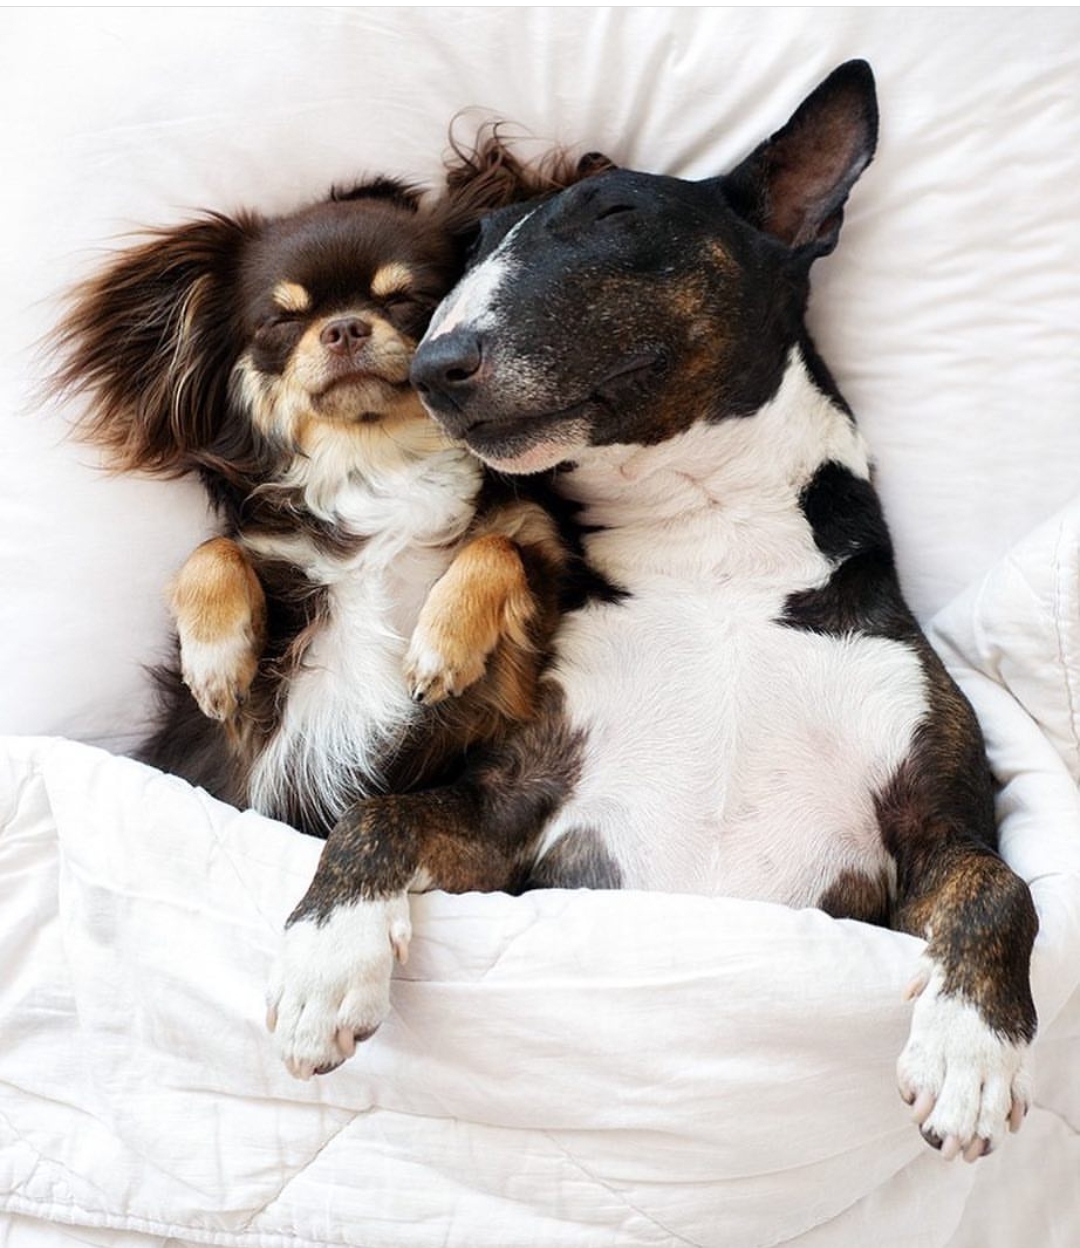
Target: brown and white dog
750	709
378	603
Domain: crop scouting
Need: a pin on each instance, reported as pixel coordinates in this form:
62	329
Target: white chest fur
348	703
726	752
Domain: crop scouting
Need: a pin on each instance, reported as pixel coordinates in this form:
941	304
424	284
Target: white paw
965	1082
219	674
330	986
437	667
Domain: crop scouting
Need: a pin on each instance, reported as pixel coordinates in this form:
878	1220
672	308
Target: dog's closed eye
277	325
613	210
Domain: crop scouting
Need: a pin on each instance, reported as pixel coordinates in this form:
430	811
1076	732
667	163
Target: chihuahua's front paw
330	986
219	673
440	665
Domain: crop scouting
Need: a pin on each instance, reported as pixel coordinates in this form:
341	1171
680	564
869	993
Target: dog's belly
727	753
346	708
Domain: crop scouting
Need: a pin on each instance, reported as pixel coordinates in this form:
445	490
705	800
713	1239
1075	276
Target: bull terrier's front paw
330	986
219	673
439	665
965	1082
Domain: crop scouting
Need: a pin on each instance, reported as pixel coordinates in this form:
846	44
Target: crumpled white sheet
565	1068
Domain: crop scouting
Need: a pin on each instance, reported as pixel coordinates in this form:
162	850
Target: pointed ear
795	184
147	341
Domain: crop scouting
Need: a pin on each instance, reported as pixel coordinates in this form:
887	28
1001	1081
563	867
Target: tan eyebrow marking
391	278
292	297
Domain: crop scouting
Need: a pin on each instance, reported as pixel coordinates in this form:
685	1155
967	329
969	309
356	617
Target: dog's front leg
482	599
963	1068
330	987
220	613
492	612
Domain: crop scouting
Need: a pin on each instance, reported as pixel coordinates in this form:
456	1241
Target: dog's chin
522	447
539	458
360	398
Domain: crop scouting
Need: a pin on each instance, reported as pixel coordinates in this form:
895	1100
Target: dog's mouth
505	444
354	377
360	395
392	371
359	379
540	440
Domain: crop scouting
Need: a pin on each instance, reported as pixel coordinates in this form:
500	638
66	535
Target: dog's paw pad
966	1084
330	987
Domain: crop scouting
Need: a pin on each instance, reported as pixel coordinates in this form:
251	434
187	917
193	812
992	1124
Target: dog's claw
922	1108
917	985
299	1070
400	935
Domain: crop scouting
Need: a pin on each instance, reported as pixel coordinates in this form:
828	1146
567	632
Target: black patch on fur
579	859
476	833
844	513
187	744
856	895
862	596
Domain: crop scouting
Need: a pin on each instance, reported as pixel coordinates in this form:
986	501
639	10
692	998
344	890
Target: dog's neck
720	486
380	460
360	495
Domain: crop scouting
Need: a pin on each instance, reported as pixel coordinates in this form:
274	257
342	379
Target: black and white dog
745	705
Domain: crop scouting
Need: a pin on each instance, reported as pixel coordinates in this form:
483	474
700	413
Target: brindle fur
937	812
470	835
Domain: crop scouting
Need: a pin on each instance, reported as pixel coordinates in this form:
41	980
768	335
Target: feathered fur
270	357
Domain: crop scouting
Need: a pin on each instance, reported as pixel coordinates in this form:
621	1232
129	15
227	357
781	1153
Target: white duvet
565	1068
561	1069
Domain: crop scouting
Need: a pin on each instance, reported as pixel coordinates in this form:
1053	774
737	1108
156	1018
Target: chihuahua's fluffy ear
488	175
148	340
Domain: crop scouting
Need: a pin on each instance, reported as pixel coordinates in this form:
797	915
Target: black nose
344	335
447	366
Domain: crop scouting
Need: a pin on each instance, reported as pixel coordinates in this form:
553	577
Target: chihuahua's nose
446	367
345	334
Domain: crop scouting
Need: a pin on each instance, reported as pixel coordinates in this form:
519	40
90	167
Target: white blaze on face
469	303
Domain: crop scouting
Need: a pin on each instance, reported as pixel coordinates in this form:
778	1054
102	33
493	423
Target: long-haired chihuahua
376	602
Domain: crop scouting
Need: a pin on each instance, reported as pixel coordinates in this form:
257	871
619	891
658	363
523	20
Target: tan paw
219	674
437	667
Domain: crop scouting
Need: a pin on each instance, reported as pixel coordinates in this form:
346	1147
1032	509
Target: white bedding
561	1069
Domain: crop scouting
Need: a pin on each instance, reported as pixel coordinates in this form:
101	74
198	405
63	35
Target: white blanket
559	1069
